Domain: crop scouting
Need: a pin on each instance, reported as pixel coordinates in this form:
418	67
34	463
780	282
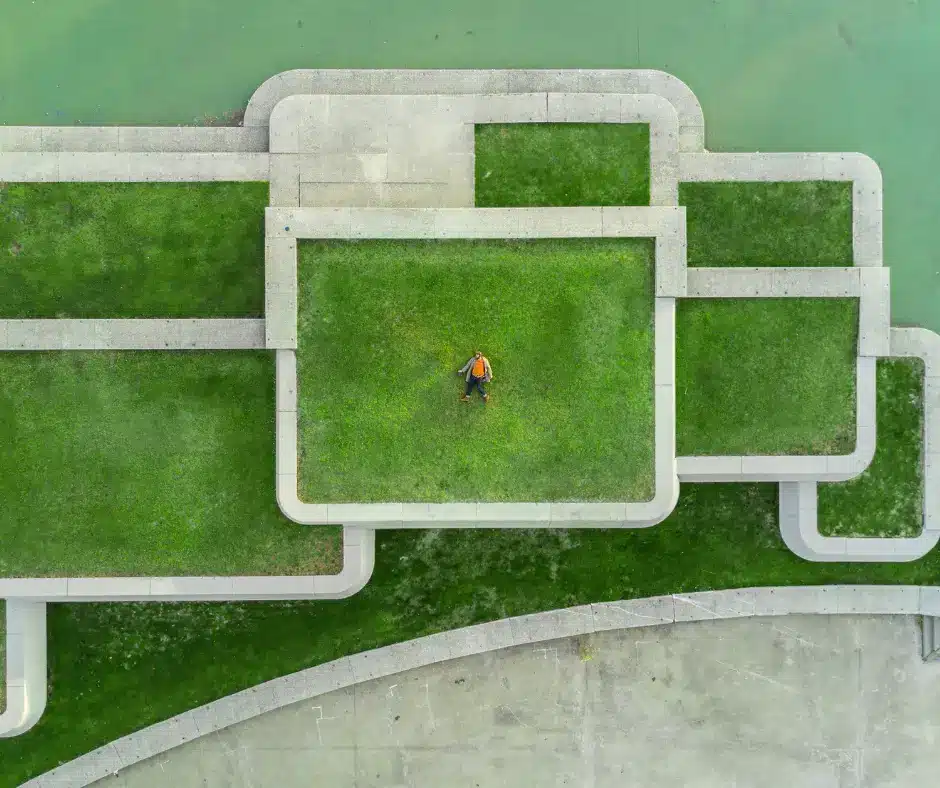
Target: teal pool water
801	75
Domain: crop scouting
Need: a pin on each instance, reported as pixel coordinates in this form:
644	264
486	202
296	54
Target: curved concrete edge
691	129
26	674
799	524
481	638
79	167
133	334
132	139
799	527
784	468
358	564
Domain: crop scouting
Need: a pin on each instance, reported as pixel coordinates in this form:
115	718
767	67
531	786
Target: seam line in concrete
135	334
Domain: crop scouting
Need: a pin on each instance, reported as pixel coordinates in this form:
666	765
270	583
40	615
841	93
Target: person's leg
482	390
469	390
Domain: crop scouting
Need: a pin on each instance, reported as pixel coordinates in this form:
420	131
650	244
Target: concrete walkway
809	701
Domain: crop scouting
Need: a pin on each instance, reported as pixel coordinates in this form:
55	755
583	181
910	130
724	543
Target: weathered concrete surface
809	701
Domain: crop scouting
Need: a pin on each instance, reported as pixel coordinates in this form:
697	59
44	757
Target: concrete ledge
858	168
133	167
132	139
925	344
480	639
800	531
25	667
358	563
798	514
774	282
66	334
874	312
348	223
691	123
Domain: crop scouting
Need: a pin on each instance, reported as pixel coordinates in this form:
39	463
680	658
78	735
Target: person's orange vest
479	367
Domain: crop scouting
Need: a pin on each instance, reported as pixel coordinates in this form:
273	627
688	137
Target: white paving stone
584	108
80	138
29	167
20	139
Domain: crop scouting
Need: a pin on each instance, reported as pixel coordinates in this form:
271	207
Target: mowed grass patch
145	463
124	250
719	536
567	326
562	164
765	376
888	498
768	224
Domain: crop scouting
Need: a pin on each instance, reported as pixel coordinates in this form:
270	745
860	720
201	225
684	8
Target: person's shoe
465	399
486	398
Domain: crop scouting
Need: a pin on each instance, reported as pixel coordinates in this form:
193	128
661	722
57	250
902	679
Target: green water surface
800	75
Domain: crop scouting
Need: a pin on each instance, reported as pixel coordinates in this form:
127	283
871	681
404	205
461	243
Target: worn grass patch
765	376
562	164
888	498
124	250
145	463
567	326
768	224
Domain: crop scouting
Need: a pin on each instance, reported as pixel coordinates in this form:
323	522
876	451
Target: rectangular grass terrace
285	226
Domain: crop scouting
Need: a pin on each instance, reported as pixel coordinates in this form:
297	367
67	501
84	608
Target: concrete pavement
808	701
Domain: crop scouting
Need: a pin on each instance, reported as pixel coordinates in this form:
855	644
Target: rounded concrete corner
284	109
686	105
846	467
864	170
287	499
659	507
26	674
358	560
799	529
267	95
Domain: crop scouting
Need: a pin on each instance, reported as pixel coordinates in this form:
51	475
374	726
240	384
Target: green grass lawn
765	376
121	250
768	224
162	659
887	499
567	326
562	164
145	463
719	536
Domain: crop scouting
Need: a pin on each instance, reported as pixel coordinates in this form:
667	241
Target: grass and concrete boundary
482	638
286	226
297	174
798	503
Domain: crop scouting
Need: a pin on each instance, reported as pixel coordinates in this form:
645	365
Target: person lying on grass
478	372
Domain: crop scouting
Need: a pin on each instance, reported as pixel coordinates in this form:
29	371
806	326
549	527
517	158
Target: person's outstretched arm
465	367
